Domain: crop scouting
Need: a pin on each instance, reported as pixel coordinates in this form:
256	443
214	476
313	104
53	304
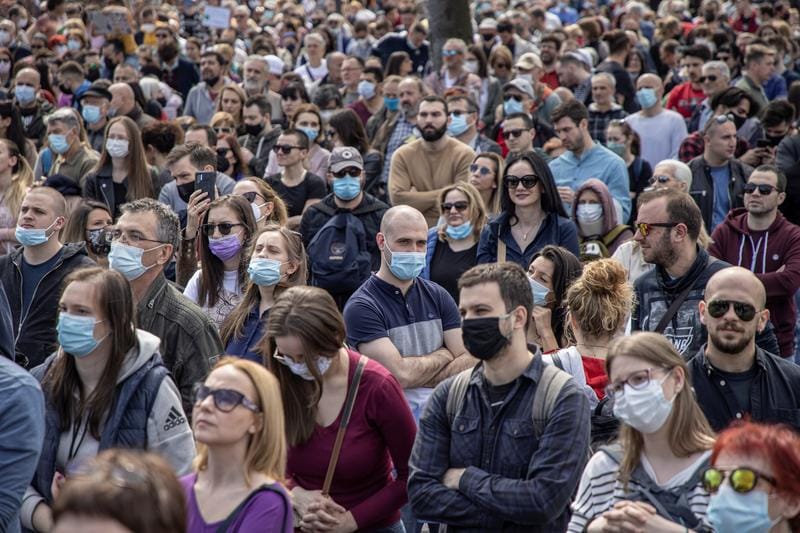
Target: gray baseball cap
345	157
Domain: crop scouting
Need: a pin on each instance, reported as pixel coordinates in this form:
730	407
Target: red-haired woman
754	479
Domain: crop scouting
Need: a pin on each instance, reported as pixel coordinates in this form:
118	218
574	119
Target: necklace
531	230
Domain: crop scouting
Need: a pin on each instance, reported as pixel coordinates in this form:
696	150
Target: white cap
276	64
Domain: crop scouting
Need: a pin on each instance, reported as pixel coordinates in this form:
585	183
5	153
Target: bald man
408	324
660	130
27	84
733	377
32	274
123	102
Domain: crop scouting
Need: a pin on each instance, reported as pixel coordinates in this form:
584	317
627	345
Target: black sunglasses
285	148
516	97
224	228
711	77
483	171
764	189
460	206
717	308
352	172
251	196
225	400
660	179
529	181
513	134
742	480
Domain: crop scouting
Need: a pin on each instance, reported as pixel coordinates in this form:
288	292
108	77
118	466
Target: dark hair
211	135
472	105
117	44
776	113
295	90
566	269
617	41
524	117
239	168
216	55
573	110
327	93
75	229
163	136
350	130
551	201
778	174
515	289
300	135
199	155
394	63
551	38
681	209
756	52
432	98
480	56
71	68
260	101
731	97
627	131
15	131
375	71
700	51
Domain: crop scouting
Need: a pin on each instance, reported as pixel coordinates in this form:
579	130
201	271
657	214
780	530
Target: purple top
266	512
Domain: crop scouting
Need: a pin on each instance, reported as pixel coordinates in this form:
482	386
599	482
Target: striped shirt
600	489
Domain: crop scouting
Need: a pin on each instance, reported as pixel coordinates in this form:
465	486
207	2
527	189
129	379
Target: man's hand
566	194
452	478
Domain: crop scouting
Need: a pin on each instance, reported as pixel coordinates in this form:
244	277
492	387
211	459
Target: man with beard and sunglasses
420	169
732	377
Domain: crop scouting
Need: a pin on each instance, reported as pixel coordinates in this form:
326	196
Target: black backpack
338	255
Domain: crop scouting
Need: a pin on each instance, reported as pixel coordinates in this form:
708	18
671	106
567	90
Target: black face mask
93	73
738	121
162	102
482	336
253	129
222	162
773	141
65	89
185	191
97	242
110	65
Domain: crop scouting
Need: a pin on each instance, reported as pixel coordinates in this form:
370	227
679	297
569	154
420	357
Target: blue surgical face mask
264	272
127	260
58	143
539	291
25	94
347	188
366	89
459	232
32	236
312	133
406	265
646	97
392	104
458	125
301	369
512	106
617	148
746	512
91	114
76	334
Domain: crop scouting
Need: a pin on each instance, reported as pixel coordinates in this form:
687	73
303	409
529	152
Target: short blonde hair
476	212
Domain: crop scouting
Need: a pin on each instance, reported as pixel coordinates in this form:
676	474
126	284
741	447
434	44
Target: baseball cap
529	61
345	157
488	24
276	64
520	85
97	88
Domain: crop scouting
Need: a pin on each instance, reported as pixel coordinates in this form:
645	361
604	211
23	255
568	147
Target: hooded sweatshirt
608	221
764	253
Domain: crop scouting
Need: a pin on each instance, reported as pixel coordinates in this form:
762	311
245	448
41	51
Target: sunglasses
528	182
711	77
219	131
224	228
450	53
745	312
483	171
763	188
285	148
351	172
742	480
251	196
225	400
659	179
645	227
460	206
516	97
513	134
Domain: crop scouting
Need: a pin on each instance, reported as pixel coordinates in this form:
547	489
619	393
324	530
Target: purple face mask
225	247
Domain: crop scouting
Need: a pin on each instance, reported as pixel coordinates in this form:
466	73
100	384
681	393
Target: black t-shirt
740	384
32	275
296	197
447	266
497	394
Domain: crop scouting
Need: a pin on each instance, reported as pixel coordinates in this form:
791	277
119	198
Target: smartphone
763	143
206	182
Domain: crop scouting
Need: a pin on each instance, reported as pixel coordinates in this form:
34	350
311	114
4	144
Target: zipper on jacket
33	296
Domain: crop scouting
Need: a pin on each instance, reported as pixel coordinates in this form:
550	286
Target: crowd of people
285	265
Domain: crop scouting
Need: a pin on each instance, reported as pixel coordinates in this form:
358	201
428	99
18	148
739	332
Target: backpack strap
557	360
613	234
223	527
457	393
549	387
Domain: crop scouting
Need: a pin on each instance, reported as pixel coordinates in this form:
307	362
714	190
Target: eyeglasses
224	228
251	196
717	308
225	400
742	480
353	172
637	381
285	148
711	77
451	53
645	227
662	179
128	237
483	171
516	97
763	189
513	134
529	181
460	206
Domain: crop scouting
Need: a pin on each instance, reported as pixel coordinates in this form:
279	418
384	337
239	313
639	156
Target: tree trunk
447	19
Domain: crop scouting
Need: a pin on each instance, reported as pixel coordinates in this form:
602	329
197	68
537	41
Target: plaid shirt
694	146
598	121
403	129
513	481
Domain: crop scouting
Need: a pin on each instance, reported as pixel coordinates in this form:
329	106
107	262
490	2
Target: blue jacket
554	230
430	249
245	344
599	162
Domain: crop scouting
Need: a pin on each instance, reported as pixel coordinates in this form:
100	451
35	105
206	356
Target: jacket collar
158	286
533	371
709	369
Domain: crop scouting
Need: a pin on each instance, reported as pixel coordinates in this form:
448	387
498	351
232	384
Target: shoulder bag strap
352	391
673	308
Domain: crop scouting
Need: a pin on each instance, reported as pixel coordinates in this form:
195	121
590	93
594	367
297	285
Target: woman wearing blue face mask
307	119
277	262
453	244
754	480
651	479
623	141
227	228
105	387
599	232
304	348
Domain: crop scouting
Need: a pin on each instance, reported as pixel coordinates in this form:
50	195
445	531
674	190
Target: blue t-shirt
722	202
32	275
415	323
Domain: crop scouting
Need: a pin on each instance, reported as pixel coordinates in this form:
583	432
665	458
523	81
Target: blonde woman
267	205
16	177
486	175
231	100
453	244
223	122
651	480
239	427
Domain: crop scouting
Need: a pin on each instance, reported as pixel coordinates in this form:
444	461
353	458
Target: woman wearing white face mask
277	262
333	394
599	233
122	173
267	205
651	480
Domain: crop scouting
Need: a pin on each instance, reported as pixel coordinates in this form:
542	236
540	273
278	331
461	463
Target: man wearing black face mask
261	135
511	423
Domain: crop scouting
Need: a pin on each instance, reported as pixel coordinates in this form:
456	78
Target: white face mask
471	66
645	410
